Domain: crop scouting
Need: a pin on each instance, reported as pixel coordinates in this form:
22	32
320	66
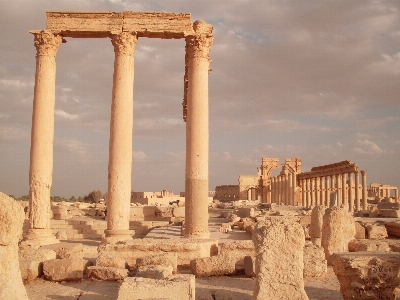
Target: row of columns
349	193
121	124
283	189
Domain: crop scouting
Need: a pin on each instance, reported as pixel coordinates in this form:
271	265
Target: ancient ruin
123	29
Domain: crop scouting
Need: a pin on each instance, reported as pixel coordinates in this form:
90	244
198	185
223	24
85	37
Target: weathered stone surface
279	259
168	259
31	262
315	264
11	221
64	269
338	230
182	287
376	232
366	275
368	245
238	249
154	271
393	228
250	266
106	273
213	266
66	250
317	215
122	253
360	231
389	213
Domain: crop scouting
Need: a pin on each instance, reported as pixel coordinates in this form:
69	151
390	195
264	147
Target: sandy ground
218	288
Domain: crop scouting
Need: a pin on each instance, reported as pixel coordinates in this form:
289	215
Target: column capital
124	43
47	42
199	45
364	172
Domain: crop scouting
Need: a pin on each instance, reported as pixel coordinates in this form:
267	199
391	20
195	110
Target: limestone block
366	275
213	266
249	266
395	247
154	271
106	273
233	218
113	255
279	244
376	232
315	264
61	235
64	269
178	212
31	262
11	221
175	287
238	249
168	259
245	212
337	231
305	221
225	227
66	250
387	205
389	213
360	231
317	214
368	245
393	228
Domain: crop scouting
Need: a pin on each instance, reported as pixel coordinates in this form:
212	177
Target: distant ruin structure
124	29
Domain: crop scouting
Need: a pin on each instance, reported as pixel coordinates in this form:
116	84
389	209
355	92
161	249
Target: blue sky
317	80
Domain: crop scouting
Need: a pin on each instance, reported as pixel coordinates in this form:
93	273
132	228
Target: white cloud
367	147
65	115
138	155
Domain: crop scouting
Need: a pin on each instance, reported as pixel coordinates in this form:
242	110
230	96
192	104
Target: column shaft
351	197
197	143
344	198
120	145
338	190
357	190
322	190
327	190
364	188
303	192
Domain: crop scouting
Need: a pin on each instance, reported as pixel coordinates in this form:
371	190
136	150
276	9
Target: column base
197	235
35	238
117	235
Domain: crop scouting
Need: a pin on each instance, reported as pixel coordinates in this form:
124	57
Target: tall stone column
364	188
317	191
279	189
196	184
322	190
351	197
287	189
42	137
303	193
312	190
290	199
120	148
357	190
327	190
309	203
344	198
338	190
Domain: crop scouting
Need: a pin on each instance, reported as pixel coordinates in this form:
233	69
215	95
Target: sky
316	80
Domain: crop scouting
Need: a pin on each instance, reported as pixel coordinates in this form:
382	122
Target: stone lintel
103	24
343	169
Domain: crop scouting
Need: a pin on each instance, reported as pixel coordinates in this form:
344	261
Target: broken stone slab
366	275
237	249
317	214
65	269
213	266
11	221
360	231
106	273
387	205
31	262
250	266
376	232
154	271
315	264
368	245
337	231
279	244
168	259
393	228
174	287
66	250
125	253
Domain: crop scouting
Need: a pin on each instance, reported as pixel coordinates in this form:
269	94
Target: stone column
357	190
279	189
42	137
290	189
322	190
396	193
338	190
287	189
317	191
344	198
196	179
120	148
351	198
327	190
294	185
312	190
364	189
309	203
303	193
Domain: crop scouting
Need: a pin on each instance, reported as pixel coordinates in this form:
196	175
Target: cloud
65	115
368	147
138	155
